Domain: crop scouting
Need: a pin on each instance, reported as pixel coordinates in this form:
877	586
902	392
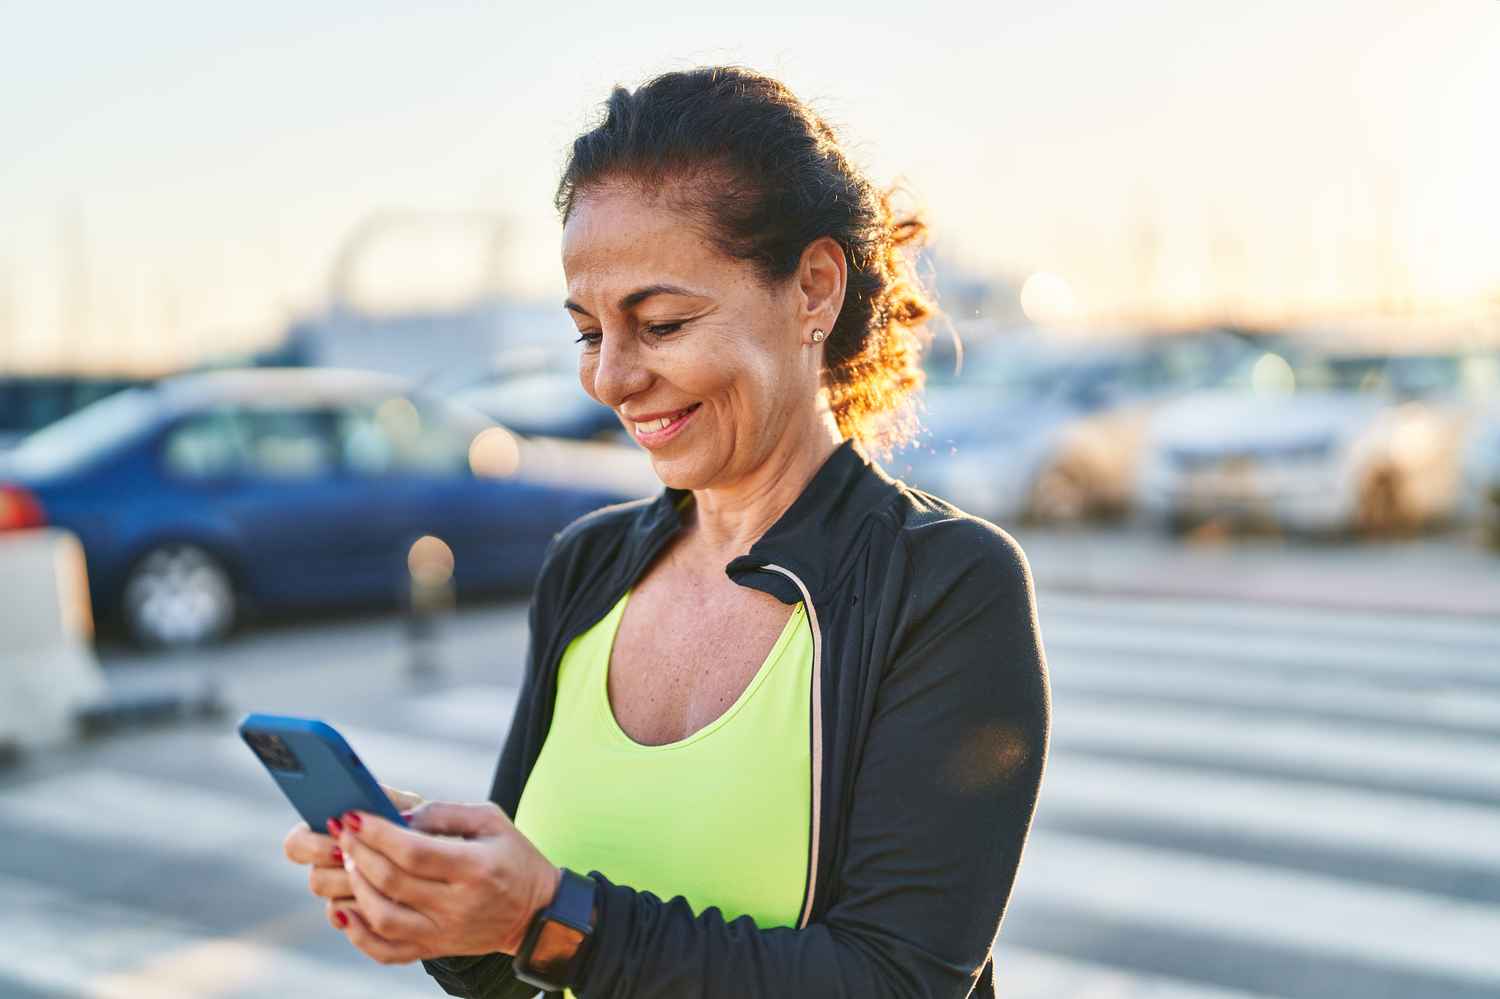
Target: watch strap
571	906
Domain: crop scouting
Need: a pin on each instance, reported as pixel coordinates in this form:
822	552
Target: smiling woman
790	715
760	220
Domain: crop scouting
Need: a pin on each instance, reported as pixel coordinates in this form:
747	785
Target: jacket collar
811	538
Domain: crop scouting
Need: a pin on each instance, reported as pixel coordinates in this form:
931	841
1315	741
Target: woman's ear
821	279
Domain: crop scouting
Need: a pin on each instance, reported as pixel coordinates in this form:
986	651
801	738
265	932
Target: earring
818	336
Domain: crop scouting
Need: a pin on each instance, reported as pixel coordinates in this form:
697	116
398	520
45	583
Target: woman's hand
419	895
326	877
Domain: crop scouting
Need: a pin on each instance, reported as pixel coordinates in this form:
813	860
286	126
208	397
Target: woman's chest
681	658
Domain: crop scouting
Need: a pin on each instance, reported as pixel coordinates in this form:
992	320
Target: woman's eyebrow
636	297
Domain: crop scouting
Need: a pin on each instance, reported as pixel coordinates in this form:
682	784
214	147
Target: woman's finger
403	800
389	879
333	906
414	852
329	882
451	818
364	936
389	919
303	846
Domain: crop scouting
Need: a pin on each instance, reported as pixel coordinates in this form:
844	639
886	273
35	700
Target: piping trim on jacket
817	739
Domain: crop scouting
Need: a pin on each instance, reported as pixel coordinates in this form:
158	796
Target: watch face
555	948
550	962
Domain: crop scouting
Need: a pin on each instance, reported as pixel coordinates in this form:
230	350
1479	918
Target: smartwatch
556	941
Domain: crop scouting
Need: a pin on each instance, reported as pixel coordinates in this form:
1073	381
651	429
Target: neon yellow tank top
720	817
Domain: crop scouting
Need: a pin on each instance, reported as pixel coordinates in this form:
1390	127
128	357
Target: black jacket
931	717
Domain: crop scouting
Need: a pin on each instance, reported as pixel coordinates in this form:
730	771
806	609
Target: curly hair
762	176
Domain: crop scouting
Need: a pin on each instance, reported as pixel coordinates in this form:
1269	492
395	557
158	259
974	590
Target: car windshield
1343	374
70	442
1277	373
1405	375
1018	374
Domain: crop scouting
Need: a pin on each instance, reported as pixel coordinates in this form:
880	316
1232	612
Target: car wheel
178	595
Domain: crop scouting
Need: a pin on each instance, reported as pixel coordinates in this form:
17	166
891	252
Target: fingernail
408	814
338	855
340	918
353	820
334	829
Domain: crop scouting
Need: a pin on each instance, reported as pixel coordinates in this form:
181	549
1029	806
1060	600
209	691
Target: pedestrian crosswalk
1240	802
1275	800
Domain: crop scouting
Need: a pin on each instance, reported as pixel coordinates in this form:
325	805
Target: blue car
207	495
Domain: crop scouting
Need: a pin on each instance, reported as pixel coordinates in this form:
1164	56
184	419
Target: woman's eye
587	338
662	329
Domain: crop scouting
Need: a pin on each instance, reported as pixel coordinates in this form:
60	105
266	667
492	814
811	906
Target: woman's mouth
658	432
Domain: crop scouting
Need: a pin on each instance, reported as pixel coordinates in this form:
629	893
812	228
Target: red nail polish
338	855
340	918
353	820
334	829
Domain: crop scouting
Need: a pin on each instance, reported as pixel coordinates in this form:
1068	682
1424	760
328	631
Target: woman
783	726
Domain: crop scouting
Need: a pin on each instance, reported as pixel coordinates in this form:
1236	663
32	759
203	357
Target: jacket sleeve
942	802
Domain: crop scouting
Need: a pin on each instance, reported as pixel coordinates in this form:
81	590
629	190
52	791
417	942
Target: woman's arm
942	804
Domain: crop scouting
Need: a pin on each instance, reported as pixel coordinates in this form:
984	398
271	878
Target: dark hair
763	176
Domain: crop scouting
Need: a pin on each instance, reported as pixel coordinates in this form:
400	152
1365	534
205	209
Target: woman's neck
727	520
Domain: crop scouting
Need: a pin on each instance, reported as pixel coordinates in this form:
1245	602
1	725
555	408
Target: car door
311	535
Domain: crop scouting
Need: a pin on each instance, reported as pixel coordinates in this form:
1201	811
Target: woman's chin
679	471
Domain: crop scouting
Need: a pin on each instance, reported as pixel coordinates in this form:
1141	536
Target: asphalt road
1243	799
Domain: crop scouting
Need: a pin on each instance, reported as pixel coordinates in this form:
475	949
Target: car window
206	445
289	443
91	431
399	436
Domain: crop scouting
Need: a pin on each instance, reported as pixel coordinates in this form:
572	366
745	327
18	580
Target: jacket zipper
817	740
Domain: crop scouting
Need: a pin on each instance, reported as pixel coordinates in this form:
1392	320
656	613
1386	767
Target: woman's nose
618	373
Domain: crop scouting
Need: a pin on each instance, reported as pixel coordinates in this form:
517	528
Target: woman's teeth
661	424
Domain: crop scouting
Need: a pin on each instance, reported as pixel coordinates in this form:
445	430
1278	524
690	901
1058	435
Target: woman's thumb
450	818
402	799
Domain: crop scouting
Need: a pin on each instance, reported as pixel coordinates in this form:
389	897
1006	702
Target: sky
179	177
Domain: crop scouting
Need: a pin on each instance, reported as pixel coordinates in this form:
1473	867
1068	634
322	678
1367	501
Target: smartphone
315	768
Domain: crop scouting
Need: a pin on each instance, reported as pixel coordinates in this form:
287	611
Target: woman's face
674	331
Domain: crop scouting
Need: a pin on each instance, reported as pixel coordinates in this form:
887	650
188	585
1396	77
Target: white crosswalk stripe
1318	815
1344	751
1241	802
111	952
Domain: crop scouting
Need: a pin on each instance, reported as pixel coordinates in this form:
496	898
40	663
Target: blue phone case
315	768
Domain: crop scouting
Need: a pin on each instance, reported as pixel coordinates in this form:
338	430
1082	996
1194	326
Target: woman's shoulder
939	543
595	539
606	525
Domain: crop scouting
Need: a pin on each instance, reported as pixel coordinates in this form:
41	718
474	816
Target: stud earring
818	336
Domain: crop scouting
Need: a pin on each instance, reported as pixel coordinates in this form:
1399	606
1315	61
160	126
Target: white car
1049	430
1314	442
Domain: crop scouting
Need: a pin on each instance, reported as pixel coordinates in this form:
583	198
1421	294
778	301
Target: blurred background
289	410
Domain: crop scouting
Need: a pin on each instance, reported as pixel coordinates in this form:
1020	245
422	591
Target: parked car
1041	430
210	494
1315	438
1482	475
